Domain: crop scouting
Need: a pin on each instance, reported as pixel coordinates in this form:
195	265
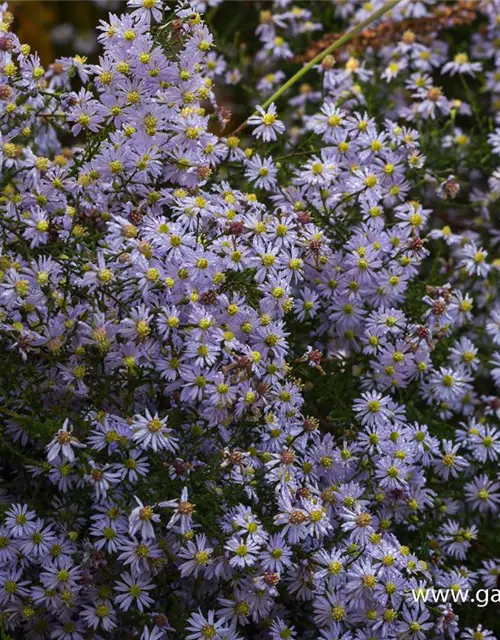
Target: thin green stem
349	35
13	414
473	103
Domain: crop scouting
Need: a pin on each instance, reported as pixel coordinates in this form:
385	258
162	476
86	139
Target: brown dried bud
236	228
416	244
310	424
314	246
450	189
297	517
160	620
181	467
445	292
422	332
244	362
6	44
236	457
224	115
185	508
303	492
203	172
97	475
328	62
208	297
438	307
5	92
408	37
434	94
314	356
304	217
57	67
288	457
397	494
261	388
494	403
135	217
271	578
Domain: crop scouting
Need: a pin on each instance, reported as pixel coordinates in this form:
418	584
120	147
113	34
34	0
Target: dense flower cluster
250	381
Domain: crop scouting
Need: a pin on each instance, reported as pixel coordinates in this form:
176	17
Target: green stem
13	414
349	35
473	103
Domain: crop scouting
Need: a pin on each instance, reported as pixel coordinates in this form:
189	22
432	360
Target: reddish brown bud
236	228
304	217
6	44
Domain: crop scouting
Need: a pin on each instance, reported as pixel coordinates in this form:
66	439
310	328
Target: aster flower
482	494
87	115
478	632
66	575
433	102
456	540
358	523
448	384
276	555
151	432
100	614
485	443
450	463
261	172
101	478
37	227
39	542
133	590
372	408
140	520
197	556
242	553
69	631
62	444
493	326
489	572
330	610
8	548
138	554
461	64
12	587
294	521
414	624
182	516
19	521
494	140
268	126
279	629
474	260
147	10
152	634
200	627
321	172
391	473
110	535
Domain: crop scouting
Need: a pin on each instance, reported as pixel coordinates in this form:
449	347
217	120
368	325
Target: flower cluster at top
250	374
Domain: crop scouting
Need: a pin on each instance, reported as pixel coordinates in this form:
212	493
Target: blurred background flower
60	27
